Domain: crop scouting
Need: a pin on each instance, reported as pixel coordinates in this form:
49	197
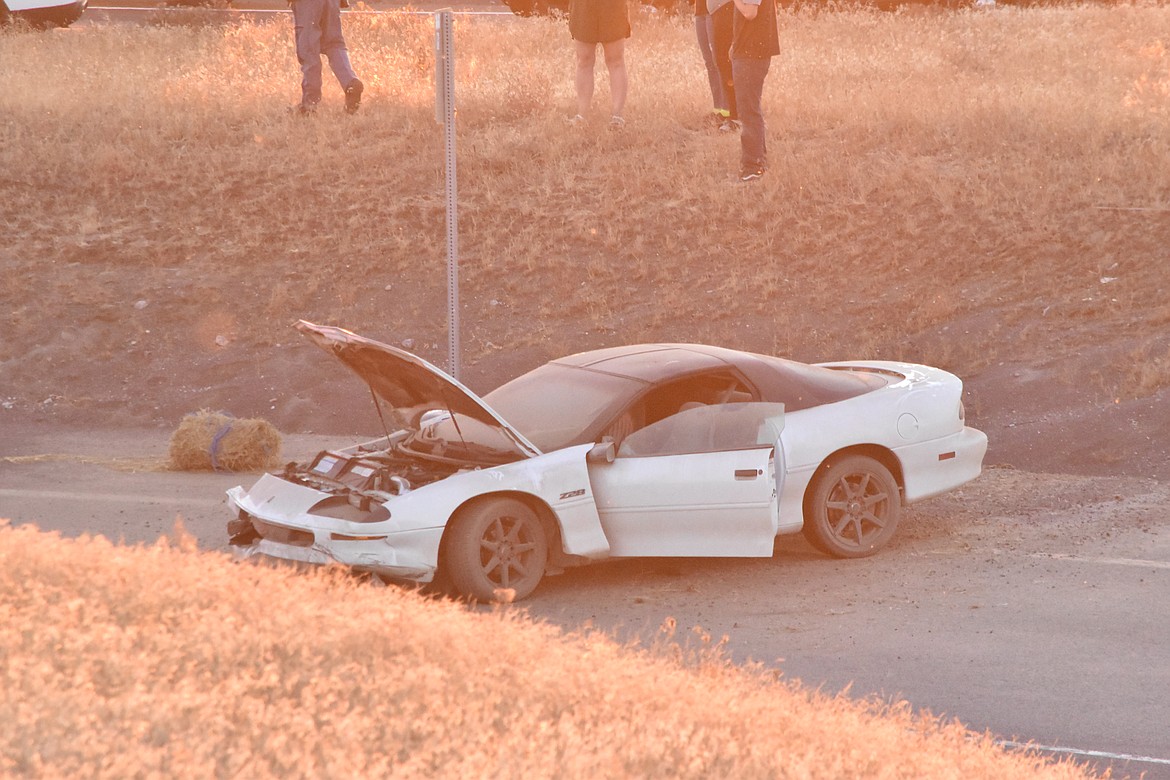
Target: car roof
653	362
798	385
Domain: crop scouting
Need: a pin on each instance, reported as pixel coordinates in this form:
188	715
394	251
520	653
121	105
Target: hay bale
216	441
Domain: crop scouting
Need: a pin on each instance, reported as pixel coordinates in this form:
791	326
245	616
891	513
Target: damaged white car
648	450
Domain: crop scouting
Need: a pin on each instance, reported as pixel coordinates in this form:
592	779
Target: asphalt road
979	621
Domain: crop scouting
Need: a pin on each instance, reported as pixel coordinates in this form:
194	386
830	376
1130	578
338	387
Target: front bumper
273	520
386	562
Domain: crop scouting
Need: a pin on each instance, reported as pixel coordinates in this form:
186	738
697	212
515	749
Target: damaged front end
355	506
337	509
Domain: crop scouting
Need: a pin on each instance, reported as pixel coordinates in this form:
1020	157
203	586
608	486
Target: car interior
721	387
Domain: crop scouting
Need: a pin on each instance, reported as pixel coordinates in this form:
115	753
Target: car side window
708	428
717	387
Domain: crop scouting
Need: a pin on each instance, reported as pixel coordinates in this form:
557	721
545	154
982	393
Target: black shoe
353	96
304	109
751	174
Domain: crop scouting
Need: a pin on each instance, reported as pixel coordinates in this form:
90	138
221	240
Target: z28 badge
572	494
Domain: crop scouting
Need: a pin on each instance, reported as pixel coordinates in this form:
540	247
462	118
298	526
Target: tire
853	508
497	550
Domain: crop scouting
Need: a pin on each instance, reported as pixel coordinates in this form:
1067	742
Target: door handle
748	473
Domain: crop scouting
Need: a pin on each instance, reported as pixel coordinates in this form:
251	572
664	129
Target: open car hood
406	382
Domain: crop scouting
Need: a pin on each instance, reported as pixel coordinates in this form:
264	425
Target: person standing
604	22
754	43
317	24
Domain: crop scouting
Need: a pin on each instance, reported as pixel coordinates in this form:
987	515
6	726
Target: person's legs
333	44
307	26
586	59
749	77
722	24
704	29
615	62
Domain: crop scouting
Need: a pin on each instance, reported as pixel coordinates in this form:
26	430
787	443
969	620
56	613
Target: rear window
801	386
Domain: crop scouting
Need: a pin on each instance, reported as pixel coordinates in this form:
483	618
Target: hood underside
406	382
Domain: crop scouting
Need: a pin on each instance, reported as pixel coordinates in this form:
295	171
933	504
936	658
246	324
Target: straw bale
216	441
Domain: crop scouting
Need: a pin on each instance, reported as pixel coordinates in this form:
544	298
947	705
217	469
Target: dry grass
169	662
131	465
945	187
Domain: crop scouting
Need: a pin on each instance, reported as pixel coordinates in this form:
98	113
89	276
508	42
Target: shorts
599	21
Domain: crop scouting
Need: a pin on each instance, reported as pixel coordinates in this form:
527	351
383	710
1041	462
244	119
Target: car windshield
556	406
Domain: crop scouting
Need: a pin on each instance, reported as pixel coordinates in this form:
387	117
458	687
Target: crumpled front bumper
374	562
310	539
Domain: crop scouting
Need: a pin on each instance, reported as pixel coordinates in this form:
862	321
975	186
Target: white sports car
648	450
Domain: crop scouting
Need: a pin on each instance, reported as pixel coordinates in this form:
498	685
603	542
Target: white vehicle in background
678	450
42	13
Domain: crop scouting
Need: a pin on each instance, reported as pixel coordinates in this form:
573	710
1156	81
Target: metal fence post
445	115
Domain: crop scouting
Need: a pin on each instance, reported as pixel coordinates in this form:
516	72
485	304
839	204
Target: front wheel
854	508
497	550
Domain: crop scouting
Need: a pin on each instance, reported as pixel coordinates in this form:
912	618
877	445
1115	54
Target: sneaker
353	96
751	174
576	120
730	126
616	122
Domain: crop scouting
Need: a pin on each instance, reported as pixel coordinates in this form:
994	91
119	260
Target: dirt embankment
985	194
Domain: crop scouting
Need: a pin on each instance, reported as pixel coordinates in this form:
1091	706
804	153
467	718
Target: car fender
811	436
559	480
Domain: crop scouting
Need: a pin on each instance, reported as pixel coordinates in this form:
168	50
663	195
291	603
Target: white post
445	115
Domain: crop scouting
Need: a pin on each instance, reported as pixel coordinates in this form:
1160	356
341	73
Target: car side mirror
602	452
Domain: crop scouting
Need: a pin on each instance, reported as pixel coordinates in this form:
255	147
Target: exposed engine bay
357	481
377	470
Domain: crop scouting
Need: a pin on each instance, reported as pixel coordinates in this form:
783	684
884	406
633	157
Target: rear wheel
497	550
854	508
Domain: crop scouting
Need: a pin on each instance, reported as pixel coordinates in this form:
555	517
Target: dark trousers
723	24
749	82
704	31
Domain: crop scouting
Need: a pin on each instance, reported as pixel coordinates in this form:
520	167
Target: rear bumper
940	465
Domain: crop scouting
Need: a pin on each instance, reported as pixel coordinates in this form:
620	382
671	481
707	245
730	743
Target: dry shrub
164	661
213	440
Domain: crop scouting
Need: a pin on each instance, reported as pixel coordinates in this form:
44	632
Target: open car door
702	482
